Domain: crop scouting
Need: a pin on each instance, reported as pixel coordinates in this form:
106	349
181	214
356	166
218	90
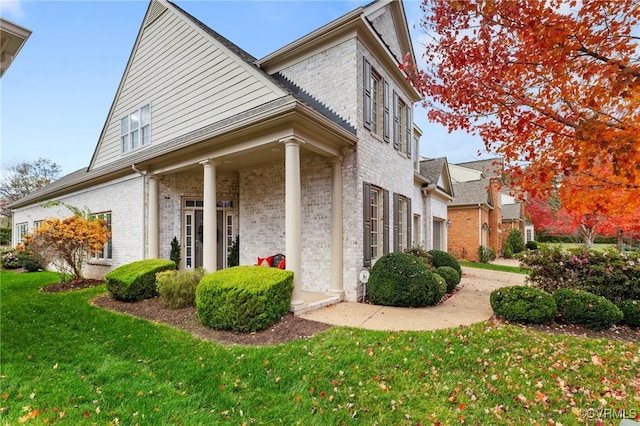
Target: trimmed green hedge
450	275
244	298
523	304
631	311
137	280
586	309
402	279
442	258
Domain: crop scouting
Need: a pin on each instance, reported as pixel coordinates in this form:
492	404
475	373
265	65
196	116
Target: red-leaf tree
552	86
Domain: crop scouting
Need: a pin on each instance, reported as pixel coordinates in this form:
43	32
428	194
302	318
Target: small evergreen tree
516	240
175	252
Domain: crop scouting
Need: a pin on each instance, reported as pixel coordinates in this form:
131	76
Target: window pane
125	143
135	135
145	115
135	120
124	126
145	135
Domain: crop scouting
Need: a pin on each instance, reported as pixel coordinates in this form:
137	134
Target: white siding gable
189	78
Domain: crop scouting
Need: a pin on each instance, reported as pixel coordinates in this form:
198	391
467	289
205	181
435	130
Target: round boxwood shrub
631	311
136	281
523	304
442	258
586	309
450	275
441	287
401	279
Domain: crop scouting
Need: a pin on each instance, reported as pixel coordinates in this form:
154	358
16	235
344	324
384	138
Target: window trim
22	229
383	223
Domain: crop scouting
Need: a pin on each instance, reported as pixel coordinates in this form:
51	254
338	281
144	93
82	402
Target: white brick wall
124	199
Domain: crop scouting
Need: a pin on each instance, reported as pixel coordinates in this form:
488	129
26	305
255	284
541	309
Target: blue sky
55	97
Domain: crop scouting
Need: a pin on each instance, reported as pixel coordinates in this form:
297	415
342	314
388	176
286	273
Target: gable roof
473	193
464	174
511	212
436	171
492	167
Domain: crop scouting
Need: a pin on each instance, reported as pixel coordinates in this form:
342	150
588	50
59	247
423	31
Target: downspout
142	173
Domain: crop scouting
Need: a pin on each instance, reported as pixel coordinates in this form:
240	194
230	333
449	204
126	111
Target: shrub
508	251
486	254
30	261
5	236
177	289
442	258
586	309
515	240
423	255
441	287
523	304
401	279
244	298
451	277
174	255
136	281
631	312
532	245
10	259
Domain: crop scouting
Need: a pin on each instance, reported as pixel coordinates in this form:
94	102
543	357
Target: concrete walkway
468	305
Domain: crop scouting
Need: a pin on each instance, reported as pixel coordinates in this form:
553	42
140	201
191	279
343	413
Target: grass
65	361
494	267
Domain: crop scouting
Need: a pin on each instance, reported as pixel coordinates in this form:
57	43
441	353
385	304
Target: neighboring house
437	192
310	152
483	212
12	38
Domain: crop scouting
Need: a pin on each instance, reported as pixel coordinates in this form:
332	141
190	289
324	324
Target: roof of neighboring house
436	171
464	174
511	211
472	193
492	167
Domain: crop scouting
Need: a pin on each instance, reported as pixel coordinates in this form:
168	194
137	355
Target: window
36	224
135	129
22	229
376	223
107	250
376	102
401	222
402	126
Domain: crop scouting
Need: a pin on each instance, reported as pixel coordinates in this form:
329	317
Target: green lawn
66	362
494	267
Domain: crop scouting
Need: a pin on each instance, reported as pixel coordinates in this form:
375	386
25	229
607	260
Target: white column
336	285
293	216
153	246
209	226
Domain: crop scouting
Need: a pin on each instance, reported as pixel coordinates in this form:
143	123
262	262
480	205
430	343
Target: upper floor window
135	129
376	102
402	126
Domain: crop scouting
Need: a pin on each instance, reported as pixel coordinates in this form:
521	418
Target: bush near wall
244	298
451	277
401	279
586	309
611	274
523	304
137	280
177	289
5	236
442	258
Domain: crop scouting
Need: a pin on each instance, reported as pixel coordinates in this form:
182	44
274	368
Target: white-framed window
36	224
189	243
135	129
229	233
402	224
22	229
377	222
376	103
107	250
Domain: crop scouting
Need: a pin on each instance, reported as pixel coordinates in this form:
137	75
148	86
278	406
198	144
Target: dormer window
135	129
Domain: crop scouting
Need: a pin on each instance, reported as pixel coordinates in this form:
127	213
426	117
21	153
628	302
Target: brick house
310	151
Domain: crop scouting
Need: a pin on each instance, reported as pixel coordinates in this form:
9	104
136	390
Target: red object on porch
276	261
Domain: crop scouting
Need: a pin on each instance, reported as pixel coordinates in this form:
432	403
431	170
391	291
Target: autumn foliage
66	243
552	86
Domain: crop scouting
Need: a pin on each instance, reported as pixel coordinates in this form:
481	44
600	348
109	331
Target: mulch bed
289	328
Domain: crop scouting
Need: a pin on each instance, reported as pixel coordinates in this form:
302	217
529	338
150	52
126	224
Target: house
437	191
12	38
483	211
309	152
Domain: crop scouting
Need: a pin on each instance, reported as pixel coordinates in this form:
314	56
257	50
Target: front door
193	236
